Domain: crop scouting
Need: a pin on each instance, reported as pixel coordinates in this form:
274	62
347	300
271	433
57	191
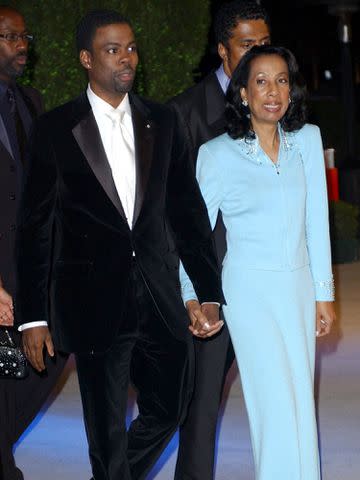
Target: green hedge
344	231
172	37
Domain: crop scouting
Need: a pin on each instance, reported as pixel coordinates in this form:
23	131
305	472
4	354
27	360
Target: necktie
122	163
20	132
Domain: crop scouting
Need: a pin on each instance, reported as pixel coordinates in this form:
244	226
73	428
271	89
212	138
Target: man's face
245	35
13	55
112	62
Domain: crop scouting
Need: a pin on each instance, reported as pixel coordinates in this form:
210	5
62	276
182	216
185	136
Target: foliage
344	220
172	37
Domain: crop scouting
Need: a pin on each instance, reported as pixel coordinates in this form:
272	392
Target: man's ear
85	59
222	51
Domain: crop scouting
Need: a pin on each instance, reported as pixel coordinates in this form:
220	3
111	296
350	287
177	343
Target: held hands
6	309
34	340
204	319
325	316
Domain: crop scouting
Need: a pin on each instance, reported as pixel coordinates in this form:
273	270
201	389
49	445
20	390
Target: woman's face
268	89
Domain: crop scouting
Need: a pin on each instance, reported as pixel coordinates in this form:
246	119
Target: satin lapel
88	137
4	139
144	132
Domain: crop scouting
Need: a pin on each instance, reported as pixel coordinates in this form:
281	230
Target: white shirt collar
99	106
223	79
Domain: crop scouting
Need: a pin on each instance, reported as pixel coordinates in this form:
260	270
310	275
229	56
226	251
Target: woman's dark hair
237	114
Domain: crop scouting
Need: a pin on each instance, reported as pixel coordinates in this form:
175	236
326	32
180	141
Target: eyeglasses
15	37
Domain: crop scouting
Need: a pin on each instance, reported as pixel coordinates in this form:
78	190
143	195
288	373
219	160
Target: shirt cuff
25	326
203	303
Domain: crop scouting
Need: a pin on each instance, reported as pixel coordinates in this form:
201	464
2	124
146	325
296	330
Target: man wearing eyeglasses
20	400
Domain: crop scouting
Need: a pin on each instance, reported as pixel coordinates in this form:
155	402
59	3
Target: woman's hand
6	309
325	316
204	320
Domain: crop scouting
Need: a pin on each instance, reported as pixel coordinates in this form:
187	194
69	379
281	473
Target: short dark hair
237	114
231	13
86	28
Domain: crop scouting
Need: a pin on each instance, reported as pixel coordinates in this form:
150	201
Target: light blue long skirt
271	318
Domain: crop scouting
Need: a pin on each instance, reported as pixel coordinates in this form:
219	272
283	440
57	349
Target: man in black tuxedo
109	176
239	25
20	400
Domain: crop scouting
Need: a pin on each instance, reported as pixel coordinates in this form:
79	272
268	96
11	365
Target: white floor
55	446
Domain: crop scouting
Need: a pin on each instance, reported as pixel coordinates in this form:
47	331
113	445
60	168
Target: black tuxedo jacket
201	111
11	170
75	248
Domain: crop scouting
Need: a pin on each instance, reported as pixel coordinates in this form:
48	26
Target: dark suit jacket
201	110
74	240
10	188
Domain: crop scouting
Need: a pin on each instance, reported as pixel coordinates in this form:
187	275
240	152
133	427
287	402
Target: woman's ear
243	95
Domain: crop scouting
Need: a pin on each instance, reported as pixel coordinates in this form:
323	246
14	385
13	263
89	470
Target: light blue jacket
276	216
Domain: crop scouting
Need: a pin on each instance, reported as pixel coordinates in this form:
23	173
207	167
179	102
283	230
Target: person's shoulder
215	156
217	144
190	93
66	114
32	95
307	133
307	140
148	107
193	94
30	91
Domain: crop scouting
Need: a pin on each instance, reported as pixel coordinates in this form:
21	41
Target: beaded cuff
326	286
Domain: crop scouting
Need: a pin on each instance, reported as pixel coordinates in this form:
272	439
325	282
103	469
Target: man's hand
325	316
34	340
204	319
6	309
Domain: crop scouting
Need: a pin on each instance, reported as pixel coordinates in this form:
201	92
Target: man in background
238	25
20	400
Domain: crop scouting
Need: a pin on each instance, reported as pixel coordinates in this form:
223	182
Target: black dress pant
213	359
20	401
159	366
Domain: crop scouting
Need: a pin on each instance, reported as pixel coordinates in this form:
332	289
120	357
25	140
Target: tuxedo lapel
88	137
215	104
144	132
4	140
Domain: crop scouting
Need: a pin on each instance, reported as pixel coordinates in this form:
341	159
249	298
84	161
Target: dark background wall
176	50
171	36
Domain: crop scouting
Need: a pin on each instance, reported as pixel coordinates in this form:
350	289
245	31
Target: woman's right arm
210	181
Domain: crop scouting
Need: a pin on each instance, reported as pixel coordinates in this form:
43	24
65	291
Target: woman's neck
269	140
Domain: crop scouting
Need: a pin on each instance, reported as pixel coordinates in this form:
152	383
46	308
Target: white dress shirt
117	135
223	79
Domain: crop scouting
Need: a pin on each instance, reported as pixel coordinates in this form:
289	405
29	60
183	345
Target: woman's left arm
317	227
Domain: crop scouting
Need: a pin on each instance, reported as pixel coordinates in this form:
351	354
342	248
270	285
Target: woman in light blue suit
267	177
